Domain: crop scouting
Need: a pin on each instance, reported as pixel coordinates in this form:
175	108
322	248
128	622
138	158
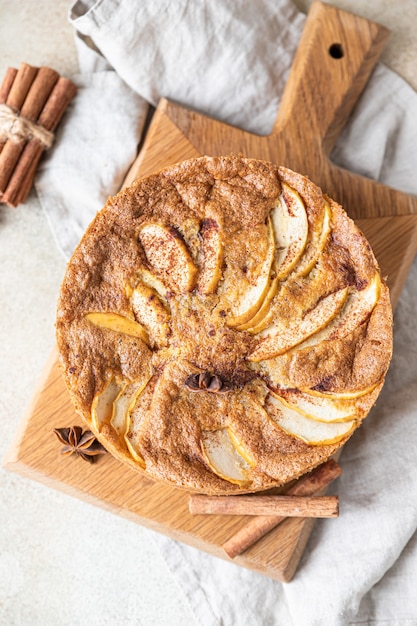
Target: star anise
207	382
79	442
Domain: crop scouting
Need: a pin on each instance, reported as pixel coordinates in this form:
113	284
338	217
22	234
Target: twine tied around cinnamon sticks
17	128
32	103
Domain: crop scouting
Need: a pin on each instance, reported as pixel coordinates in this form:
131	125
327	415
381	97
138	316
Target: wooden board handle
335	57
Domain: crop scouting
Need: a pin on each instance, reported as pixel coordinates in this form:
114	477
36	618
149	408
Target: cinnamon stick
5	89
33	104
287	506
21	85
22	82
7	83
257	527
22	179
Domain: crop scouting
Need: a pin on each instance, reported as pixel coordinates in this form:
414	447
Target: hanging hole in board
336	51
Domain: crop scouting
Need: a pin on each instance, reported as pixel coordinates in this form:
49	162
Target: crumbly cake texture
214	213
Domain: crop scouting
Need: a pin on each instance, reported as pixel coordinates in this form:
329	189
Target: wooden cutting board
335	58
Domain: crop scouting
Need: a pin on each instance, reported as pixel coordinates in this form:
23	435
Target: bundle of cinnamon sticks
32	103
301	500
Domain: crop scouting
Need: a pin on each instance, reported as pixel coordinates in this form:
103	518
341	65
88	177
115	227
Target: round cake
223	326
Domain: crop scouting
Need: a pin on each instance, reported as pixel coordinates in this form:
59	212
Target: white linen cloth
230	60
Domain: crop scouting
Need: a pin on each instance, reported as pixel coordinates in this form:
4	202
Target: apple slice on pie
277	339
136	418
315	245
212	256
150	311
289	220
223	458
102	406
169	256
151	280
311	431
252	297
262	317
321	408
358	306
119	324
342	395
124	402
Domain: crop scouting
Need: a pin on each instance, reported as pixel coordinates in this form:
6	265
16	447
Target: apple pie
223	326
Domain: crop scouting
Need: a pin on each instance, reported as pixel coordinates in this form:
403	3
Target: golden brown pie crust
235	195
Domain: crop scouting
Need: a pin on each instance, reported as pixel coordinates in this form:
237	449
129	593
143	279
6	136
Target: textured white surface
63	562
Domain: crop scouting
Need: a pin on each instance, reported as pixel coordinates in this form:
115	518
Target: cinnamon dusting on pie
183	257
